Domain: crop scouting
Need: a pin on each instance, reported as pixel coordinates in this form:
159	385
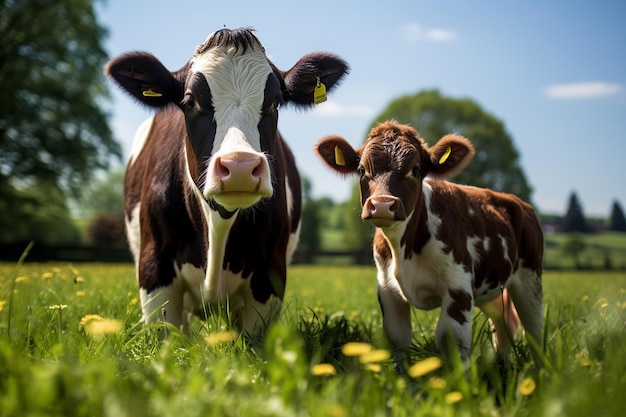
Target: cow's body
439	244
212	193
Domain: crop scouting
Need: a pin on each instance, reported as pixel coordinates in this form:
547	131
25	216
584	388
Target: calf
212	195
439	244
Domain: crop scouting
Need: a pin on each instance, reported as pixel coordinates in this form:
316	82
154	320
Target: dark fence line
77	254
43	253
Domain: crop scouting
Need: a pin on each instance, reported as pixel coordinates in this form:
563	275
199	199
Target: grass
74	348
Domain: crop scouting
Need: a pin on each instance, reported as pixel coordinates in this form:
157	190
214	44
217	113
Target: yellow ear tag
150	93
445	155
319	94
339	159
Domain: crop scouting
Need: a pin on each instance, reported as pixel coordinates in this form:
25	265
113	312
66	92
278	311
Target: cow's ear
450	155
313	70
338	154
145	78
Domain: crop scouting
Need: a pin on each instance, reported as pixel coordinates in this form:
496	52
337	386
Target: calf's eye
361	171
415	171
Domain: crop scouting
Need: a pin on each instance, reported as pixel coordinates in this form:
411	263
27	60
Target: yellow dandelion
134	301
585	298
100	328
58	307
79	280
584	361
378	355
2	303
437	383
454	397
374	367
601	303
89	318
21	279
323	369
318	310
47	275
73	269
527	386
80	293
223	336
622	305
424	367
356	348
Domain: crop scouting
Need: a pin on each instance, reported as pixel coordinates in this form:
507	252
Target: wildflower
80	293
437	383
97	327
585	298
453	397
527	386
601	303
47	275
223	336
378	355
323	369
58	307
134	301
374	367
424	367
2	303
21	279
356	348
78	280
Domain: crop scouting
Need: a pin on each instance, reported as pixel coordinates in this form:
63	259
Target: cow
212	196
440	244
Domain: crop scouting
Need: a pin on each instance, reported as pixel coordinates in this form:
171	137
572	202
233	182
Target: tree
574	220
573	247
496	163
53	131
617	220
104	195
309	241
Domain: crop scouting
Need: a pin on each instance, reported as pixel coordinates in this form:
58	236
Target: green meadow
71	345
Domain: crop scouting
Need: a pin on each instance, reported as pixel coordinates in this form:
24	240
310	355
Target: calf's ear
450	155
338	154
145	78
311	71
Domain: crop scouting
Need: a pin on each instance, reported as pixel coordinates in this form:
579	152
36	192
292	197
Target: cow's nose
379	207
240	171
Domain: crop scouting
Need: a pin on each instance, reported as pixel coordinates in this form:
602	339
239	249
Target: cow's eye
361	171
189	103
415	171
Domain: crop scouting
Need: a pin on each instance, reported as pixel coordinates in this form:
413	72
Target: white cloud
334	109
582	90
412	32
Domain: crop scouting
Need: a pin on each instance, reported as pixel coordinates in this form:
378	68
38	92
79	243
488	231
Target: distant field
51	364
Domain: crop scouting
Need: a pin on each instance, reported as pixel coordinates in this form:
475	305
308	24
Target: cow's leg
396	322
527	295
159	302
455	323
504	319
254	317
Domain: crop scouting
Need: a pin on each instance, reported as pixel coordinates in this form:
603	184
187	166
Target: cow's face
229	93
392	164
230	102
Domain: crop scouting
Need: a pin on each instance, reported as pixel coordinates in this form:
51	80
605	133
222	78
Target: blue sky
554	72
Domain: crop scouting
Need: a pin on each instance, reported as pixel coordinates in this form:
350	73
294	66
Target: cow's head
392	164
229	93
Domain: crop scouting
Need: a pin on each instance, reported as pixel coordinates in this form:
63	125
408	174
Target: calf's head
392	163
229	93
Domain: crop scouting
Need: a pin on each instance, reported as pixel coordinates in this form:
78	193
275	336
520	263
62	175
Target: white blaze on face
237	84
